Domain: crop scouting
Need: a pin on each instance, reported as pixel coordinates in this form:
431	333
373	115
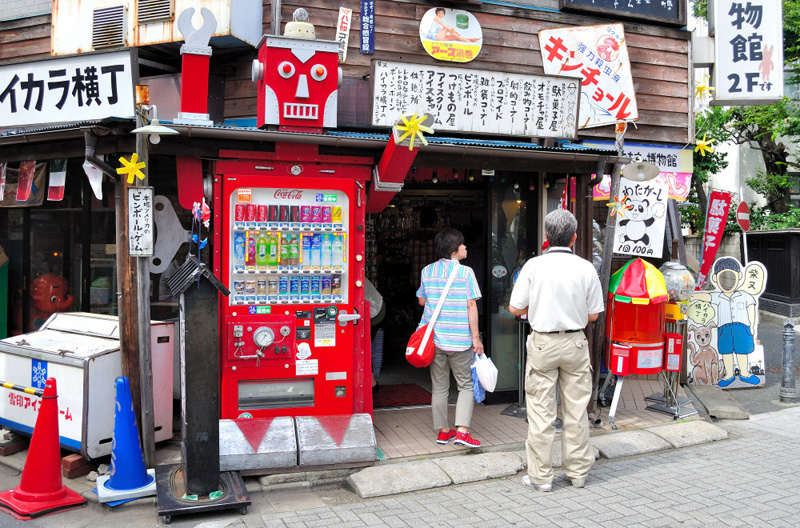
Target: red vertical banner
25	182
716	217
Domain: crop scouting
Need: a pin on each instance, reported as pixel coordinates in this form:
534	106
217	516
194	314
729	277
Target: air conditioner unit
89	25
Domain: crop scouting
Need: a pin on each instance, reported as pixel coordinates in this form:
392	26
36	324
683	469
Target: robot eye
286	69
319	72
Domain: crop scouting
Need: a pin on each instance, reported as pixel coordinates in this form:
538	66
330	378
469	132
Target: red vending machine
290	248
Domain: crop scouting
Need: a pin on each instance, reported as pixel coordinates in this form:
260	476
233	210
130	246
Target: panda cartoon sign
640	229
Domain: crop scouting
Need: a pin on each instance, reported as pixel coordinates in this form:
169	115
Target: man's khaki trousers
562	358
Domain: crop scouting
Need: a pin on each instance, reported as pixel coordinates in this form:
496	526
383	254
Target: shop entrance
490	212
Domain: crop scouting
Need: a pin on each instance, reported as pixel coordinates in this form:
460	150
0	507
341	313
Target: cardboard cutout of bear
722	346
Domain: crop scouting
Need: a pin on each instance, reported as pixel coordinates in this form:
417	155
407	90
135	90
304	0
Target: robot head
298	81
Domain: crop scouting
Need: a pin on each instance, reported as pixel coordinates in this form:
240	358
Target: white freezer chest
82	352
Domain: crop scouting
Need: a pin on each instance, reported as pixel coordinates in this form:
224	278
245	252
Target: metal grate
108	27
155	10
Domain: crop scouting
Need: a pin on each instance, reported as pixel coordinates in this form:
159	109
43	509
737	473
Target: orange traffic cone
41	490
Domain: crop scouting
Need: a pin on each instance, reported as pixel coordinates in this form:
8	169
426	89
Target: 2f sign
748	45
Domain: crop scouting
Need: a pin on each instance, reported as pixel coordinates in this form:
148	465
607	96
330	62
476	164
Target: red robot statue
298	78
49	294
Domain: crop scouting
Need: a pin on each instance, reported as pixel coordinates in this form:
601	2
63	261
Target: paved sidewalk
752	479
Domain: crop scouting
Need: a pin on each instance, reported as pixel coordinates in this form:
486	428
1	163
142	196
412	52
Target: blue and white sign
38	373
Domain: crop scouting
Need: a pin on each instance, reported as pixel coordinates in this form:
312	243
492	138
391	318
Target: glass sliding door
509	252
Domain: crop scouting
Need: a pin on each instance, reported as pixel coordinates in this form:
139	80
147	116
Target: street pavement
751	479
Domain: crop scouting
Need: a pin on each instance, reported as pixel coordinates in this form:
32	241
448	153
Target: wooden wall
25	39
659	60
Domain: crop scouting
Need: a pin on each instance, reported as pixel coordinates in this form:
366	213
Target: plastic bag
477	388
486	372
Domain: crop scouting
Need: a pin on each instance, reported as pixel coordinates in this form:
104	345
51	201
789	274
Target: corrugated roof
561	145
65	126
239	125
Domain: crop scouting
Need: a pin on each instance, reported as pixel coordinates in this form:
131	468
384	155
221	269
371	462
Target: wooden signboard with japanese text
465	100
672	12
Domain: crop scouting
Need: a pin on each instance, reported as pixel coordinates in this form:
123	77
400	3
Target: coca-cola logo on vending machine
288	194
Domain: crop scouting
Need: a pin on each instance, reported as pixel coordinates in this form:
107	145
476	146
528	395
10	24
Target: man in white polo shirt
561	294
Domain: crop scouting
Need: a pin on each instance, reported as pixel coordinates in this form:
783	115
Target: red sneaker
444	438
466	440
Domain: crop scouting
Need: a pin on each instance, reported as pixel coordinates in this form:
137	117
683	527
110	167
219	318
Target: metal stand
669	402
615	401
196	484
518	409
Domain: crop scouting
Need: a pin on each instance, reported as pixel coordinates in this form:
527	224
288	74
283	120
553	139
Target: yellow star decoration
704	145
131	168
701	87
413	128
619	206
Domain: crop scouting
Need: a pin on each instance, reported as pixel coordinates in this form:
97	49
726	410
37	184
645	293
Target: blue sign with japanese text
367	43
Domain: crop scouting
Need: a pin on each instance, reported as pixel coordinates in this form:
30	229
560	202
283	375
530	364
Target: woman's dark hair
447	242
440	9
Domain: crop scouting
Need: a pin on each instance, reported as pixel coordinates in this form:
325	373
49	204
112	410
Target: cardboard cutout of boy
734	313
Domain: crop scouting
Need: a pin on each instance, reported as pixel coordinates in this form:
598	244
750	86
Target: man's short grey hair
559	226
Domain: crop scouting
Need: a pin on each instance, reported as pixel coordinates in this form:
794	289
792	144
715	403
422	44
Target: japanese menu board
467	100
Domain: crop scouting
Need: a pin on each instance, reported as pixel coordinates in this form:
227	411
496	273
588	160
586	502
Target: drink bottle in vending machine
292	333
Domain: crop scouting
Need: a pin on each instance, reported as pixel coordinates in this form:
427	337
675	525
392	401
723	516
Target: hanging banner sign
475	100
450	34
140	221
749	52
598	55
640	229
77	88
716	217
675	164
367	27
343	31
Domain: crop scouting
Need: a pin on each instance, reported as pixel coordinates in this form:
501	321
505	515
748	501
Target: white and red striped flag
58	177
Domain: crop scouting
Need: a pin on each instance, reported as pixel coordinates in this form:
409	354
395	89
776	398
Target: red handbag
420	350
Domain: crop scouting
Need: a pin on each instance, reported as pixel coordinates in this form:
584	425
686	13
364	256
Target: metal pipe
787	392
91	154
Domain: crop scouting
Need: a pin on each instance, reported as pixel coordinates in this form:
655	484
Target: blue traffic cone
129	478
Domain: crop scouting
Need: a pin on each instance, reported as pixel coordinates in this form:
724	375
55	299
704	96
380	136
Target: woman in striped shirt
455	336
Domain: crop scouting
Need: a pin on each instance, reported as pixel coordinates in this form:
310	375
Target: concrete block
718	403
257	443
328	440
390	479
471	468
556	455
628	443
689	433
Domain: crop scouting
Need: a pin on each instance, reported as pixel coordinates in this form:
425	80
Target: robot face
299	84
